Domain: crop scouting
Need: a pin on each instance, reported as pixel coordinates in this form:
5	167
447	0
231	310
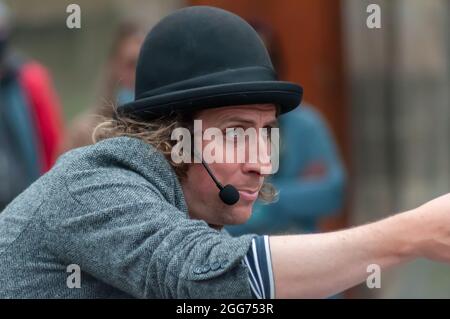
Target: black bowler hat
200	57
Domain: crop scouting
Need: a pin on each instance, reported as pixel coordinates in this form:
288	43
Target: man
139	223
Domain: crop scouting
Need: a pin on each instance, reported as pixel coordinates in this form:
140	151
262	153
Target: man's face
247	176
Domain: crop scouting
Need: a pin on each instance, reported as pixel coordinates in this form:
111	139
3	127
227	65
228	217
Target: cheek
200	182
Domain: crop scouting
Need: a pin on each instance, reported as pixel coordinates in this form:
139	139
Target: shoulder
118	152
305	114
120	166
302	121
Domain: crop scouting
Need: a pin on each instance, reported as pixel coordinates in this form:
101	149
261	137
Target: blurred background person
311	178
117	85
30	117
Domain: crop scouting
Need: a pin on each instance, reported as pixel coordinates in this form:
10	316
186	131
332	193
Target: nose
263	163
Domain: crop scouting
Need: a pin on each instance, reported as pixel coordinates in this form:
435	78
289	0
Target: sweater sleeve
122	230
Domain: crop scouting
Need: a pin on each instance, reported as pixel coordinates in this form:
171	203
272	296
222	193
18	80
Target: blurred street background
384	93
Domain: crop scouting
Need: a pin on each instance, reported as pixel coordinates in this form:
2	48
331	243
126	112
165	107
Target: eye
268	132
233	134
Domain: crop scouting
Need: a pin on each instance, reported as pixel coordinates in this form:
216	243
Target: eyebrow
273	123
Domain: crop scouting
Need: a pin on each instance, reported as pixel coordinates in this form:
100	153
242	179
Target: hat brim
286	95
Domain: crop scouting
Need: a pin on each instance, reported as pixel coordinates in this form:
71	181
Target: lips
249	195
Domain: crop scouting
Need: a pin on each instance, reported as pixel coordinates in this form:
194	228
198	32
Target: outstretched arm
320	265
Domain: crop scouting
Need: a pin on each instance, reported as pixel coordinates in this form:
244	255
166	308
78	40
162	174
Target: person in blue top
311	178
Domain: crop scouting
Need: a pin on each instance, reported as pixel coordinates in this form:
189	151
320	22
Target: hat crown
194	44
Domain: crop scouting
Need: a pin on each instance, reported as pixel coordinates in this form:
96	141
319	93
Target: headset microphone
228	193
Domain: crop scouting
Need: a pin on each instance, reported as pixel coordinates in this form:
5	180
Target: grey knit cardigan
115	210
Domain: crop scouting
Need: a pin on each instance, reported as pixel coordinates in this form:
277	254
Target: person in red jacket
30	118
46	109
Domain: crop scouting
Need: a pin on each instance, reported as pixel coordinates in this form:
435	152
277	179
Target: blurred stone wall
400	108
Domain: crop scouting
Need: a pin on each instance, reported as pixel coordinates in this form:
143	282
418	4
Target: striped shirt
259	265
